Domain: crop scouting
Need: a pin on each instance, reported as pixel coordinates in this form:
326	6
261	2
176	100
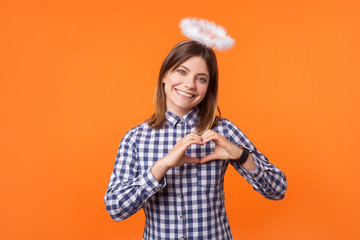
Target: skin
185	88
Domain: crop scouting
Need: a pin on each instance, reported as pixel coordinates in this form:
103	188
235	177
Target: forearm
266	178
123	198
271	184
176	157
118	206
249	164
160	168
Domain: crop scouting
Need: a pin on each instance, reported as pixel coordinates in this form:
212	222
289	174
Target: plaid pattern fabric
188	203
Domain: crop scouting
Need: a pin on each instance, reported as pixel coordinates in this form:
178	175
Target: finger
192	138
209	157
217	139
210	136
185	144
206	133
186	140
192	135
192	160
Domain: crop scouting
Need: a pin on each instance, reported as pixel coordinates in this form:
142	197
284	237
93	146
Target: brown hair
208	106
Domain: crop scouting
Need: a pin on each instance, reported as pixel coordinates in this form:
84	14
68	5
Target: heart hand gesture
224	149
177	156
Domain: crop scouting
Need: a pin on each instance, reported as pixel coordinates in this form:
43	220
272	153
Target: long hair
208	106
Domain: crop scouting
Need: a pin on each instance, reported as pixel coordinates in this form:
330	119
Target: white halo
206	33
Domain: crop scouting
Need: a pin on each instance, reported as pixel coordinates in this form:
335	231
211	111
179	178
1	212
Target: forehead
195	63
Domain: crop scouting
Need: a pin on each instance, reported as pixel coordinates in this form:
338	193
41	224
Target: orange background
76	75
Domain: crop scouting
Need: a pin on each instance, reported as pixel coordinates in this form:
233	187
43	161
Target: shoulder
140	128
137	132
228	129
225	123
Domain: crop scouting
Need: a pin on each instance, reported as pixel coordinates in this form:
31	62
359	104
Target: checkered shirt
188	203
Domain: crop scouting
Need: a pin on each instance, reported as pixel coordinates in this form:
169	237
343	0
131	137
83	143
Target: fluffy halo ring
206	33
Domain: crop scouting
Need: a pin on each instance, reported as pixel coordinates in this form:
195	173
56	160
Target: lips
184	93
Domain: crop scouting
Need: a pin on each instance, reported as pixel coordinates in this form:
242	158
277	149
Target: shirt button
263	185
254	176
157	189
181	217
181	196
182	238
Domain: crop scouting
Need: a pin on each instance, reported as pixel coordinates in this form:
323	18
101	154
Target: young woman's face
186	86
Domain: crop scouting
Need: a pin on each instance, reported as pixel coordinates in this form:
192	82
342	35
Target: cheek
166	89
170	82
203	90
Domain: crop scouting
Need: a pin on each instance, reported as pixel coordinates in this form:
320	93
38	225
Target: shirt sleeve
129	187
266	179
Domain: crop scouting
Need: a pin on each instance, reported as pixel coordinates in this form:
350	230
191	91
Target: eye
202	80
181	71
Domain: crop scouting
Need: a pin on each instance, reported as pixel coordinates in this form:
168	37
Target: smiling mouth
184	93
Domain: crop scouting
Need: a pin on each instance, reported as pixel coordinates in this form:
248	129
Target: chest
158	144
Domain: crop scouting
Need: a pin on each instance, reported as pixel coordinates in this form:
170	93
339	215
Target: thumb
211	156
192	160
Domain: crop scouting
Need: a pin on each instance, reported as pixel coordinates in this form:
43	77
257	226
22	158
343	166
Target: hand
177	156
224	149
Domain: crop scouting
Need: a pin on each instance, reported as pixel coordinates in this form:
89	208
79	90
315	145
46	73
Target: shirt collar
191	118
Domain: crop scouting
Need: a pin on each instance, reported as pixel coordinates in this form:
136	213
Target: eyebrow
196	74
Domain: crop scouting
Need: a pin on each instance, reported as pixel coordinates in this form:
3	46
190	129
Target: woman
173	165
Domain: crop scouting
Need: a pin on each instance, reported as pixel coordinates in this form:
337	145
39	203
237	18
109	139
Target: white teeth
184	94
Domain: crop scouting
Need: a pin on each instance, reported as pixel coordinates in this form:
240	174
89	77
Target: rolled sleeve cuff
257	177
150	185
257	173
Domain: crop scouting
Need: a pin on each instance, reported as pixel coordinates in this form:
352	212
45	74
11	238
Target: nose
190	82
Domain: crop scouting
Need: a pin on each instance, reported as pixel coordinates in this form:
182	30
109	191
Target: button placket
181	133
